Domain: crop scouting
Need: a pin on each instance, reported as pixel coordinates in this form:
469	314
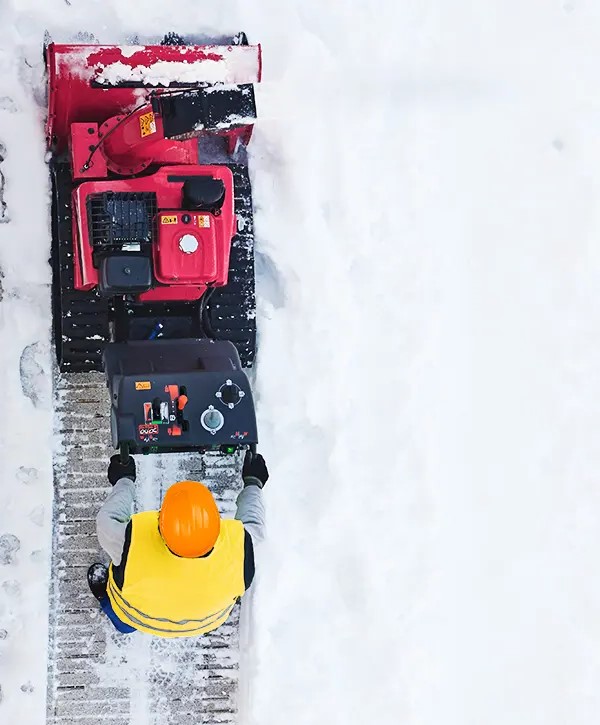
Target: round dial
212	420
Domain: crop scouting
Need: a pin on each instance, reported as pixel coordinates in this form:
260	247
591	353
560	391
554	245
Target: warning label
148	433
147	124
143	385
168	220
204	221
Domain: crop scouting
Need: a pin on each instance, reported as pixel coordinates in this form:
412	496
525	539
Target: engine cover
190	247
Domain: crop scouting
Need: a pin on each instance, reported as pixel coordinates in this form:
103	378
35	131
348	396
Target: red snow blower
152	235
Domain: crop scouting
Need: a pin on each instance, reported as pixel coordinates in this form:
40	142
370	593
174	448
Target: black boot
97	577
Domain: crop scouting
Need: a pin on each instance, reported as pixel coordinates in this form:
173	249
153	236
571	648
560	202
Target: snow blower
152	242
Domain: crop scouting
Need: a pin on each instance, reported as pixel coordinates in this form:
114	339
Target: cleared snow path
97	675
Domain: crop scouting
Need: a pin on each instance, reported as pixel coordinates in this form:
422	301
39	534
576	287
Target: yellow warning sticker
203	221
168	220
143	385
147	124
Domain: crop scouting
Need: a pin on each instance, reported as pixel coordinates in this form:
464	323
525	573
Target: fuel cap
188	244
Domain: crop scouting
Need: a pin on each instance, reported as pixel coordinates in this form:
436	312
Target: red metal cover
86	81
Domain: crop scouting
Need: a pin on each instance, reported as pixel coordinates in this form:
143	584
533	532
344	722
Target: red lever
182	402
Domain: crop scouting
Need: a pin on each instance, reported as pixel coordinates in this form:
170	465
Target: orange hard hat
189	519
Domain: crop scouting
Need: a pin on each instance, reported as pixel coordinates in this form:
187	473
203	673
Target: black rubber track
81	319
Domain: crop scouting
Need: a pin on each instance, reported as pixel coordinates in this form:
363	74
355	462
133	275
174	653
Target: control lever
182	401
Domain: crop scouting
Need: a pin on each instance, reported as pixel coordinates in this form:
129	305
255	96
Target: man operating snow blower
179	571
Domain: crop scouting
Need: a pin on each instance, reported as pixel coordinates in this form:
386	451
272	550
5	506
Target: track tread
81	319
238	296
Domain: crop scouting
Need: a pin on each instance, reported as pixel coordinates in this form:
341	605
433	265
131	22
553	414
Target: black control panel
179	395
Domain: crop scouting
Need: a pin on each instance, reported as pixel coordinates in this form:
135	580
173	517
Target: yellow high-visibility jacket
163	594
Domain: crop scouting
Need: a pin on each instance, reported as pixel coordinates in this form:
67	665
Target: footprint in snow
12	588
9	545
36	516
27	474
7	104
35	377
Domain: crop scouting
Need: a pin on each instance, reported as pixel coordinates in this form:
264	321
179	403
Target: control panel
203	403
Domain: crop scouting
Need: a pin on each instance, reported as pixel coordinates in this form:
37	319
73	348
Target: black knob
186	218
230	394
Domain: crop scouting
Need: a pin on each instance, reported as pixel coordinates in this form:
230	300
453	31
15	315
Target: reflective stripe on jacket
171	596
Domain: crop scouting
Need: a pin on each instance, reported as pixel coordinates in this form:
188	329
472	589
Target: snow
426	185
128	50
165	72
26	428
224	64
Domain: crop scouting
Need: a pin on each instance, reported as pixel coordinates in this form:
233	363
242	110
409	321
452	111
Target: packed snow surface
426	181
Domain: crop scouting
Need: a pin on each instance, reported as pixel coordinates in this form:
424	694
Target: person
177	572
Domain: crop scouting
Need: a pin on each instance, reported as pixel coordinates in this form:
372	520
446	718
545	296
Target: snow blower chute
152	236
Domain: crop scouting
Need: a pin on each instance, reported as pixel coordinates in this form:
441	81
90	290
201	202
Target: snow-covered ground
426	180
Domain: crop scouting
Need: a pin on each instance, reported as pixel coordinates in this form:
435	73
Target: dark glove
255	466
117	470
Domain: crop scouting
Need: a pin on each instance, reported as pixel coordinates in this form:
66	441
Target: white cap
188	244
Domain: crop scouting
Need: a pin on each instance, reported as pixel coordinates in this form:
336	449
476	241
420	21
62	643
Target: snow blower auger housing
150	239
